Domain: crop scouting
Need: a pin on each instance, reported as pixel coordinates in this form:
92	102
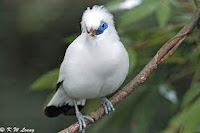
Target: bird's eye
103	25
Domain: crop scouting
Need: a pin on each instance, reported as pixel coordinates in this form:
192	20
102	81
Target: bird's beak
91	32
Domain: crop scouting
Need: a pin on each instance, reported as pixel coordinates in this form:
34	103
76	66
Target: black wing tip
58	85
53	111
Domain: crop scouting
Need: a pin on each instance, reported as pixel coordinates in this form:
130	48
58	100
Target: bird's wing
61	103
62	74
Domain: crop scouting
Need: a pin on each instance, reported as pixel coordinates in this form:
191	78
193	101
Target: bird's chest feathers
103	58
99	59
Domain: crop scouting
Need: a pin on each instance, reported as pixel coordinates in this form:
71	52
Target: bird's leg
81	118
108	107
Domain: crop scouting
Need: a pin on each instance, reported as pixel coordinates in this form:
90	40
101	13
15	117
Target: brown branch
163	53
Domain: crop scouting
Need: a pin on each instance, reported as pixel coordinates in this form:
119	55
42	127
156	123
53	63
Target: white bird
95	65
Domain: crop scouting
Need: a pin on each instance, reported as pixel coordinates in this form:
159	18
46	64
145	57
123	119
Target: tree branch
163	53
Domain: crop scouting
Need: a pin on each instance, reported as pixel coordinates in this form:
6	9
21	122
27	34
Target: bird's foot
81	121
108	107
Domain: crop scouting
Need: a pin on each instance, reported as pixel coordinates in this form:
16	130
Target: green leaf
46	81
150	110
191	94
138	13
163	13
186	121
132	59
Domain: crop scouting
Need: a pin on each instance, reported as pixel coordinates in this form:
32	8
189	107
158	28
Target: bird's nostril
92	32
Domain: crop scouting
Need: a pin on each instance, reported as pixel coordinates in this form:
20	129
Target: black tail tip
52	111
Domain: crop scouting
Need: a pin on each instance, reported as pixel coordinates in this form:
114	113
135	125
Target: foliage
151	108
46	81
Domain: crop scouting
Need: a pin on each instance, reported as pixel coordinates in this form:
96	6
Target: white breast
94	70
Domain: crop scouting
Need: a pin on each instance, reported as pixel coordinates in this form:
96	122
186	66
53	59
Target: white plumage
94	65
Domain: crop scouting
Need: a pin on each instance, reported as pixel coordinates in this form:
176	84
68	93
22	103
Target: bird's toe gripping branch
108	106
81	119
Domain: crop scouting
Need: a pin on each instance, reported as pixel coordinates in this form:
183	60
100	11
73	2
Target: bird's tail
62	104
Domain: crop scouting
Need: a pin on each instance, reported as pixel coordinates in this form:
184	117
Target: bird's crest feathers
93	16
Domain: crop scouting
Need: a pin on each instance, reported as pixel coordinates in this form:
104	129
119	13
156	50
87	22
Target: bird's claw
108	107
81	121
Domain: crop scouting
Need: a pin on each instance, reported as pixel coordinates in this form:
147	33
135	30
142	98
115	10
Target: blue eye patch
101	28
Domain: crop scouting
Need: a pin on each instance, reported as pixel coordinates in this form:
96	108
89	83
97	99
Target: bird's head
97	21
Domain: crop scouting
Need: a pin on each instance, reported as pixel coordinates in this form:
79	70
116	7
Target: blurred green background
34	35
